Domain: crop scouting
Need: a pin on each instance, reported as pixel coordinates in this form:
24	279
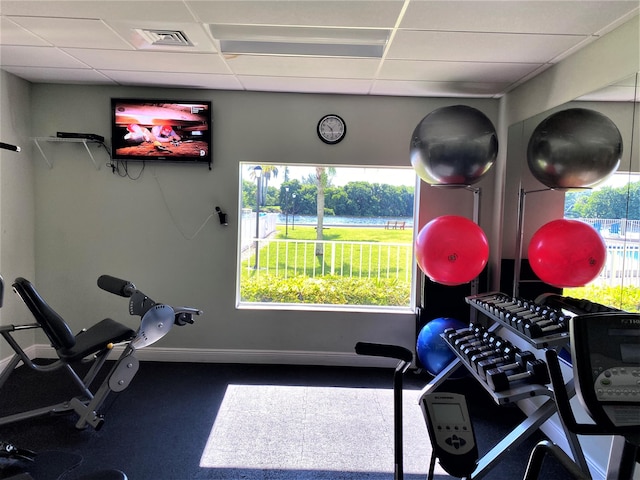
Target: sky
344	175
619	179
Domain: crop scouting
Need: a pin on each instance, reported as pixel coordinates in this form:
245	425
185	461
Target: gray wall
90	221
17	198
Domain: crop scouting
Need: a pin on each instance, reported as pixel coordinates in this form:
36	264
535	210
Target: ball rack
487	304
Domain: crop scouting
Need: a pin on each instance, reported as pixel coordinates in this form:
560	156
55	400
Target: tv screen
161	130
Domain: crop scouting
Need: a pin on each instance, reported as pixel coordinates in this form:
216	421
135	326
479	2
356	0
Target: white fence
388	260
622	238
284	258
248	226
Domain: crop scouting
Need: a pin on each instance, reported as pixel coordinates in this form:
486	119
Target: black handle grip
383	350
562	399
117	286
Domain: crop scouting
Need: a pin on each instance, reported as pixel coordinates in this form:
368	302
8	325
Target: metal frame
522	431
85	405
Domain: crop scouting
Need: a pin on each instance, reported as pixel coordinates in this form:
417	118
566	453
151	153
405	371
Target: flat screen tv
162	130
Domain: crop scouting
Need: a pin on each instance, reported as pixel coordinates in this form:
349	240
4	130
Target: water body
334	220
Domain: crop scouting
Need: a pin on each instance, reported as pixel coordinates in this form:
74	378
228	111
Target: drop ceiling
474	49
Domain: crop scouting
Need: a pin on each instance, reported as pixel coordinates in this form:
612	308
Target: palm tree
323	178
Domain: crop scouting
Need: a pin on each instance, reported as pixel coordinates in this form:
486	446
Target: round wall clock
331	129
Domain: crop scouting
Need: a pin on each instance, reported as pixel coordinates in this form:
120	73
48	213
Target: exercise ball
451	250
574	148
432	350
453	145
567	253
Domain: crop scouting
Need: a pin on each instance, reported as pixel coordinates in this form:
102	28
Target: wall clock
331	129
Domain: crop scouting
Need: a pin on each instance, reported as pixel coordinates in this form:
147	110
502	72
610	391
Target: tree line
365	199
360	199
608	202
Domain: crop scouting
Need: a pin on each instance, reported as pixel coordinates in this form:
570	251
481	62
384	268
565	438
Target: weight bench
91	346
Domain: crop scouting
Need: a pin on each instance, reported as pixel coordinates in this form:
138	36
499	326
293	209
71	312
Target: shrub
624	298
326	290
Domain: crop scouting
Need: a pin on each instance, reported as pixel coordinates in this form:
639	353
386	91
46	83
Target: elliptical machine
404	357
605	354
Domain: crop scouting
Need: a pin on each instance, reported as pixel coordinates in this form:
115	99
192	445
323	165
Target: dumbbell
513	316
474	341
535	330
520	323
473	334
492	340
499	304
506	357
512	309
498	347
534	371
451	333
473	348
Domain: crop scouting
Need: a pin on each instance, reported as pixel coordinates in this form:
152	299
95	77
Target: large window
326	236
613	208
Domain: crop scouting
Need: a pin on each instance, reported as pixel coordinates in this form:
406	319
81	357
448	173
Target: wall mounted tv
177	131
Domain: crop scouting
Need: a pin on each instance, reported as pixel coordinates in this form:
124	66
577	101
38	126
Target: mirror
618	285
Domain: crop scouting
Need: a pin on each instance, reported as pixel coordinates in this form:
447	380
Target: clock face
331	129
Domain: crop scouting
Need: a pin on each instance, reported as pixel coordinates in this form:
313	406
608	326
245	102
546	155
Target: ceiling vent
164	38
304	41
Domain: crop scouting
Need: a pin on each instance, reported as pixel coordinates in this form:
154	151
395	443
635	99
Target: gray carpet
252	422
314	428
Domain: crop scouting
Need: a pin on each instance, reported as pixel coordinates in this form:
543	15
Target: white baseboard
30	351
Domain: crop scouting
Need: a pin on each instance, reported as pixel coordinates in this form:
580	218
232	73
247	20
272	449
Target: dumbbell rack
554	341
518	392
504	397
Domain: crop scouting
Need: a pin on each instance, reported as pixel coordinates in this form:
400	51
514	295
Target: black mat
158	427
48	465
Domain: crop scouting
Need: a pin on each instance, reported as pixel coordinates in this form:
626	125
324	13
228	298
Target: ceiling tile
516	16
431	47
60	75
151	61
479	47
454	71
26	56
175	79
306	85
175	10
303	66
73	32
437	89
359	13
13	34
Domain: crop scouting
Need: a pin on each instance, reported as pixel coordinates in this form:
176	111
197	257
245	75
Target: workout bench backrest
53	325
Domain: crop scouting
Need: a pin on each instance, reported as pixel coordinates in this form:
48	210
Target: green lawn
359	252
348	234
361	266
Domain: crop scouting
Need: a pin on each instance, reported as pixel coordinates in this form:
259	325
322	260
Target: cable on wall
175	223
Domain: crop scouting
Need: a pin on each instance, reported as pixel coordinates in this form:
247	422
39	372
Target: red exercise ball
567	253
451	250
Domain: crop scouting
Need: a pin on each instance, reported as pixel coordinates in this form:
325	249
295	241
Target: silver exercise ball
574	148
453	145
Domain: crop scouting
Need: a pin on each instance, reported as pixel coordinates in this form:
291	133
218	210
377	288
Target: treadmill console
605	348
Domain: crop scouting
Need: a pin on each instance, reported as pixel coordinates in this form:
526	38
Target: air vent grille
167	38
